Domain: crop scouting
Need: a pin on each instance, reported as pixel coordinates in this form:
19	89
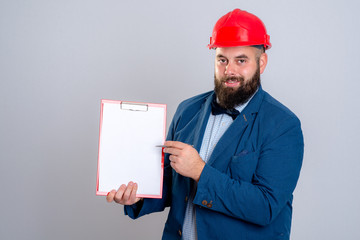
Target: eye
241	61
222	60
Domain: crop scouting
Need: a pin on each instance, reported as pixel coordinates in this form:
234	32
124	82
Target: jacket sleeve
270	188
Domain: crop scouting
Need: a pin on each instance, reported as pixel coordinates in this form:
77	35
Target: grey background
59	58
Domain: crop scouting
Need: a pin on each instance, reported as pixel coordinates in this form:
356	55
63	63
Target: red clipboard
129	133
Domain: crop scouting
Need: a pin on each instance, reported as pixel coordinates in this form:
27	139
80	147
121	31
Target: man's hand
184	159
125	195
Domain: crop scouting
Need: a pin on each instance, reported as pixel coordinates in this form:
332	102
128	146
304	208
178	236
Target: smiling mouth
232	83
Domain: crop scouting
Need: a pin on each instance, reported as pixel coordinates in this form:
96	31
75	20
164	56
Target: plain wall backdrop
59	58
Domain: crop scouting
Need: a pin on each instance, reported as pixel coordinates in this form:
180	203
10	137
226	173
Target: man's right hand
125	195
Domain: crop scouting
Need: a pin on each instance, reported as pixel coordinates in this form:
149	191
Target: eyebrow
240	56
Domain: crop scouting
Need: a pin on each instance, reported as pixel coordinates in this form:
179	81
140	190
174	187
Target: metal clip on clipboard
130	106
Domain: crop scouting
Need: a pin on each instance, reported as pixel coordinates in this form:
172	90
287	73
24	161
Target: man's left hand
184	159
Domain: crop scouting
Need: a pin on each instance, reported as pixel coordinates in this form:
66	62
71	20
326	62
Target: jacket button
209	205
186	198
204	202
179	232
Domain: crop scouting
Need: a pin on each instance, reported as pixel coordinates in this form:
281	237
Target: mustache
232	78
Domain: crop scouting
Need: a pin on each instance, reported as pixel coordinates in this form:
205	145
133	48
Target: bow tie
216	109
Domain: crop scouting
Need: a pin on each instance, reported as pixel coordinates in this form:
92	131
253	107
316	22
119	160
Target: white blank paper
127	152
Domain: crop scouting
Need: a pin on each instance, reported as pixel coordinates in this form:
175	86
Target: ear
262	62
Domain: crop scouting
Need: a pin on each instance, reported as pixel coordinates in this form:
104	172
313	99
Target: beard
229	97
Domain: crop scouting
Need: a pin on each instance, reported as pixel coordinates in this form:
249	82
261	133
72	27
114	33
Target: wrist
199	171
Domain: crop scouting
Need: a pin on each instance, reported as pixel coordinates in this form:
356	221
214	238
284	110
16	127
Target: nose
230	69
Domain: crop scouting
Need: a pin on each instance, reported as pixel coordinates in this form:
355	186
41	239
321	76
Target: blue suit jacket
245	189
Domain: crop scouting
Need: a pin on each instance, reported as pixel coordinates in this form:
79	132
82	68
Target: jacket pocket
243	165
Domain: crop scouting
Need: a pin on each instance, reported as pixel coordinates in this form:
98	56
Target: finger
133	193
119	194
110	196
173	158
172	151
175	144
127	192
172	164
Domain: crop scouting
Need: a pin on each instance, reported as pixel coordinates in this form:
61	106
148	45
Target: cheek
247	73
219	70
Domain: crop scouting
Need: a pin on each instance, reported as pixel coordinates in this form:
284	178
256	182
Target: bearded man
233	155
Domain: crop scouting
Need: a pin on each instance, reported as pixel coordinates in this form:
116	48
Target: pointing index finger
175	144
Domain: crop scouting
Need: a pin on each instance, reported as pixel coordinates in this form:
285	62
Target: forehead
233	52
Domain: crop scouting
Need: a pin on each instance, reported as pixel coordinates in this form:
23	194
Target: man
233	155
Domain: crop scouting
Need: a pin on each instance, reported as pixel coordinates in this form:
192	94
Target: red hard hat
239	28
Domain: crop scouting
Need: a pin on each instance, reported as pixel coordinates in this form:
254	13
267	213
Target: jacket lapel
204	114
233	137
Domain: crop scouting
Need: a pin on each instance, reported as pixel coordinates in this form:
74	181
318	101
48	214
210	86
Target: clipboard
129	133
